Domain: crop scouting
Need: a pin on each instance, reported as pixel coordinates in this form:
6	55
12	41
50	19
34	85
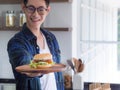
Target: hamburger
42	61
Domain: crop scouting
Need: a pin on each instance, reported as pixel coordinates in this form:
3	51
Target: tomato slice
49	61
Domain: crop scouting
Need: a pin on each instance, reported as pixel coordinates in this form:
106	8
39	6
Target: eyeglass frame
38	9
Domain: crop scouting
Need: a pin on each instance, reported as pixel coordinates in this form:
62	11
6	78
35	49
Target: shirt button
37	47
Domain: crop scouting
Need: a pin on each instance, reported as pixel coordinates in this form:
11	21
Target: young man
32	40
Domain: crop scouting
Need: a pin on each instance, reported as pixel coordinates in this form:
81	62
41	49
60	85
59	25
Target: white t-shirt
47	80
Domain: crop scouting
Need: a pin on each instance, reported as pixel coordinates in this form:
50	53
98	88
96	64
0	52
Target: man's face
36	12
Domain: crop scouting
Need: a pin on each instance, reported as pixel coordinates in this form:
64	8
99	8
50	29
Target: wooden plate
54	68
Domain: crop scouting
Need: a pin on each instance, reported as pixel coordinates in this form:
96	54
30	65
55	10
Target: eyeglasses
31	9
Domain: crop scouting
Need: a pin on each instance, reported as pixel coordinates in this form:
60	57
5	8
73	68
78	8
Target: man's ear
23	7
48	9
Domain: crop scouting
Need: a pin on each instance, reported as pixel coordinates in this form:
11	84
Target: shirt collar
28	34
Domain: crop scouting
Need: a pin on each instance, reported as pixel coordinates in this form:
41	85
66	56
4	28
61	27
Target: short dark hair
46	1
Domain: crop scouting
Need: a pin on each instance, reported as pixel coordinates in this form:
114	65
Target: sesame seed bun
44	56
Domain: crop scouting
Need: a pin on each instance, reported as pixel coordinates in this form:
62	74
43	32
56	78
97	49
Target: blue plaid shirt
21	49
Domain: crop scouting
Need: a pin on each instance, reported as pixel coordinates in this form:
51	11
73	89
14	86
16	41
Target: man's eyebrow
35	7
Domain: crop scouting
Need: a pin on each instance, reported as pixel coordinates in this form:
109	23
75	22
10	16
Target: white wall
5	67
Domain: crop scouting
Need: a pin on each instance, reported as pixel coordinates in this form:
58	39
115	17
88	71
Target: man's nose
36	12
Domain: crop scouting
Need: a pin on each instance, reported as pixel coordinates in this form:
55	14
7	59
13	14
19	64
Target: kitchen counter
7	84
2	80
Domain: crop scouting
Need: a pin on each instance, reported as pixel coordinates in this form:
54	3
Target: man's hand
32	74
35	74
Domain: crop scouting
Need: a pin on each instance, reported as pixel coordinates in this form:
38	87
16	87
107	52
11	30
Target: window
98	42
118	39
